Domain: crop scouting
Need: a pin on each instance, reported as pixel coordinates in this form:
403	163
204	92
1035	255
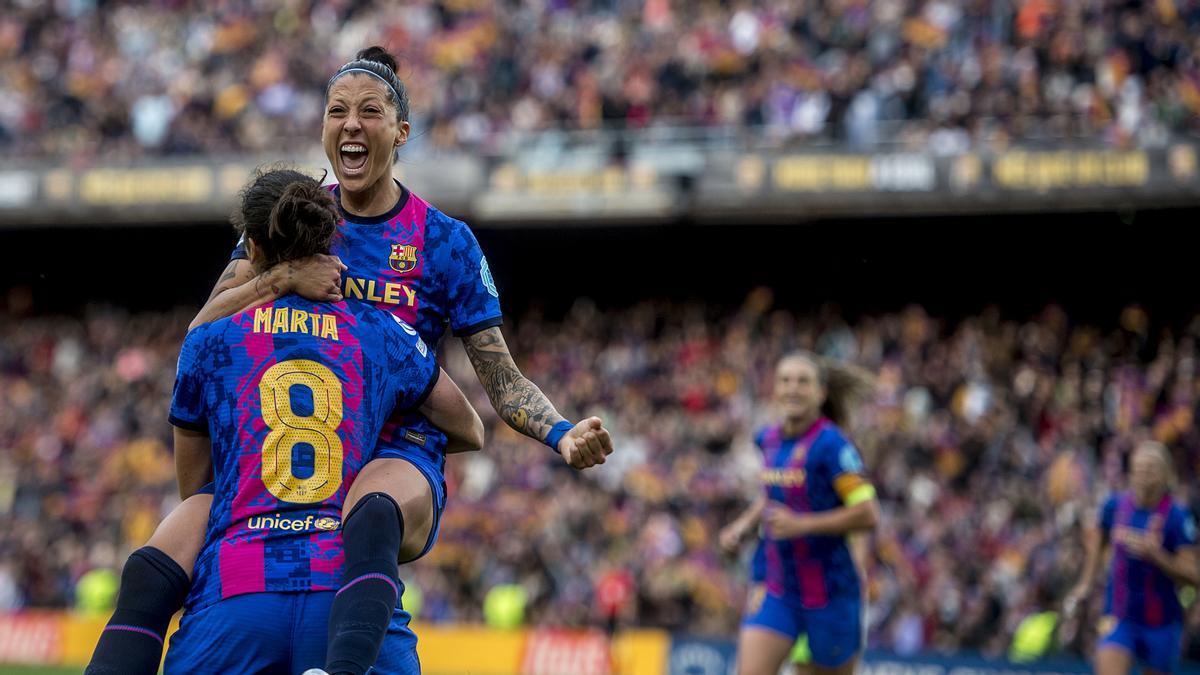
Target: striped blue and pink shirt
293	395
815	471
1138	590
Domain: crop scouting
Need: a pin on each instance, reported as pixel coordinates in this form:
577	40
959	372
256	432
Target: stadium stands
990	441
83	80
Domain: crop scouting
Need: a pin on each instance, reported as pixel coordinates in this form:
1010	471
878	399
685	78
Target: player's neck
1148	501
794	426
374	201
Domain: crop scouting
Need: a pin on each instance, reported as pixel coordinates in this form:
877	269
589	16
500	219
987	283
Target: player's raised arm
447	407
239	288
523	406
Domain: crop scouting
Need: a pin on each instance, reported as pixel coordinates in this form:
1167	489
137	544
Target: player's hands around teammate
318	277
781	522
587	444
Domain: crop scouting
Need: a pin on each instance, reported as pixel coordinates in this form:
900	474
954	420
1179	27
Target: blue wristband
557	433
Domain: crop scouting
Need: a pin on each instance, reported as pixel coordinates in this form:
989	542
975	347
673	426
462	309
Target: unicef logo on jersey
486	275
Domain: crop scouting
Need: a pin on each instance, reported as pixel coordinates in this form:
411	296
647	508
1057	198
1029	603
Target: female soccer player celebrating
284	403
406	257
1154	551
815	496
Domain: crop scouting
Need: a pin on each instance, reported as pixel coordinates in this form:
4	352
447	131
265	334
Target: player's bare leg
153	585
181	534
388	517
401	481
1113	660
761	651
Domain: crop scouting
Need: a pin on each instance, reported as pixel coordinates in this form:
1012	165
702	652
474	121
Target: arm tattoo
517	400
230	273
265	277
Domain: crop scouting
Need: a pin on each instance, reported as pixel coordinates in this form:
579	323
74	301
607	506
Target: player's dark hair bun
378	55
288	215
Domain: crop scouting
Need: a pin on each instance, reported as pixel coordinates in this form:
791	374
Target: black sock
153	587
358	621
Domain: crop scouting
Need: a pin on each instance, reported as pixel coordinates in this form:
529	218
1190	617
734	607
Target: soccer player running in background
402	255
730	539
815	497
1153	541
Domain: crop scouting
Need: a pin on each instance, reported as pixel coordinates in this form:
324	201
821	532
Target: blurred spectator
990	441
122	79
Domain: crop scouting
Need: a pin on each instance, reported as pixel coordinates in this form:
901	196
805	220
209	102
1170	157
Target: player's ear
252	252
402	134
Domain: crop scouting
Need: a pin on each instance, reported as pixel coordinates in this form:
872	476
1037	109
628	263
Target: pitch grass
6	669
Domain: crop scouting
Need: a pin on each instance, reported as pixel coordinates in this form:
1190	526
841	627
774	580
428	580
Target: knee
374	526
151	576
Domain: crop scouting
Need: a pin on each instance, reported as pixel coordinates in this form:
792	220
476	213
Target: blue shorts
835	632
431	462
1159	647
275	633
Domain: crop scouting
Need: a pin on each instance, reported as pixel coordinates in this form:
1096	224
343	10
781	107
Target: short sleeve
759	437
187	398
413	368
473	302
846	470
1184	531
1108	514
239	251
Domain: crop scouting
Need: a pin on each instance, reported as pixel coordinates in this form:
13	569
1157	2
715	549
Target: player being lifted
406	257
1153	541
815	496
286	401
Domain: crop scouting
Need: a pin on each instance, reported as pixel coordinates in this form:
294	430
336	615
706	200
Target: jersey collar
372	220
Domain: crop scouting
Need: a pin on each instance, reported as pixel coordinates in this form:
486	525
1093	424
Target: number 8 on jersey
290	429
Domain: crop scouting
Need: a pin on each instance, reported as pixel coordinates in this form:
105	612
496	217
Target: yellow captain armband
853	488
860	494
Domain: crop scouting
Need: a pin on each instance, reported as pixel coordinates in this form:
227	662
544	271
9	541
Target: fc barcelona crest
403	258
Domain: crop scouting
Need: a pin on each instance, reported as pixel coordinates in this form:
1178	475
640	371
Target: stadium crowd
990	442
84	78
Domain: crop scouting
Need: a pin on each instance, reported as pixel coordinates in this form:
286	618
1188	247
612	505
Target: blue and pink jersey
1138	590
293	395
815	471
426	268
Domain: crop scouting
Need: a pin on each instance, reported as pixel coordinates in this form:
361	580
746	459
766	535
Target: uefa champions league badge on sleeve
404	325
486	275
850	460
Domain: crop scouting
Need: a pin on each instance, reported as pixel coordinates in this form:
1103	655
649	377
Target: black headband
392	82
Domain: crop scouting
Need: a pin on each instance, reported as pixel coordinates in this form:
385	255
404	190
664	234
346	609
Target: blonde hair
1162	453
846	386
